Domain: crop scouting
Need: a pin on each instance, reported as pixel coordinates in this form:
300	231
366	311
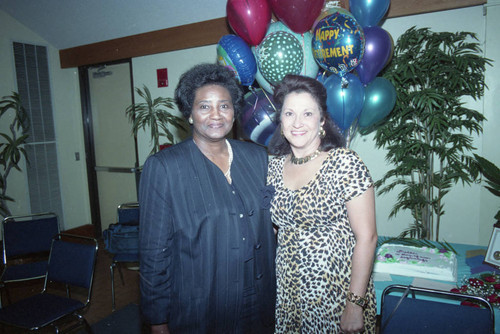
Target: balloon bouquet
315	40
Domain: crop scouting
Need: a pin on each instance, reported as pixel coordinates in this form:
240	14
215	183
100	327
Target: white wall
68	126
488	203
469	210
177	62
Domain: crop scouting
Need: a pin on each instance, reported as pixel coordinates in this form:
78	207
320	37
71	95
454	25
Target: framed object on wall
493	254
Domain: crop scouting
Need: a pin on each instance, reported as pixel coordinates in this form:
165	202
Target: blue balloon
345	97
380	98
368	13
258	119
234	53
338	43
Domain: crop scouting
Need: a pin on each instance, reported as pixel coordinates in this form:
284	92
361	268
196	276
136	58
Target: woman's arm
155	239
361	213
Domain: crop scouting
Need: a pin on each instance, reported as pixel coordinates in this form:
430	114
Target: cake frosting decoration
423	262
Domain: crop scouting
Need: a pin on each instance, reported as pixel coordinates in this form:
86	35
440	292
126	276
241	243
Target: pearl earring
322	132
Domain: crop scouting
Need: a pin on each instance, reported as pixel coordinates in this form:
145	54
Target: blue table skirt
466	268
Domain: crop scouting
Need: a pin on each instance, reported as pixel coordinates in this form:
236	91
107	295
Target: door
111	149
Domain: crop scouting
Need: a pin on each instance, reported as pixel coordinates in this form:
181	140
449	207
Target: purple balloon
378	49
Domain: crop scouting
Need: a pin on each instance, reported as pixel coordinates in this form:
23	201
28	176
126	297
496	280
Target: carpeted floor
123	321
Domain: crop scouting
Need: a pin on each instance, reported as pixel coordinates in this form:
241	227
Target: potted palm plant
156	115
428	135
12	145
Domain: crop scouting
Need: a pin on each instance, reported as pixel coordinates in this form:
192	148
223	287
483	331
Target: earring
282	134
190	120
322	132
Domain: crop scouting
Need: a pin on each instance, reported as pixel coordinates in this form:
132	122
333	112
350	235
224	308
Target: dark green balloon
279	54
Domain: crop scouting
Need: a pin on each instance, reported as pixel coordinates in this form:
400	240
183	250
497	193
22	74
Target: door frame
88	134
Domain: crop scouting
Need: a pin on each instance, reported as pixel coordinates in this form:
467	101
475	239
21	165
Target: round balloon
234	53
258	119
310	66
322	76
249	19
344	102
380	98
368	13
298	15
263	83
338	43
327	11
279	54
378	51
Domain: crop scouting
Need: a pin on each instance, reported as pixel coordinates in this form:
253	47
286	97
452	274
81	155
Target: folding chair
433	311
127	214
71	264
26	245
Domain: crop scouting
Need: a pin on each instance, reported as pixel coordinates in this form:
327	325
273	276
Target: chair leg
121	273
112	268
85	323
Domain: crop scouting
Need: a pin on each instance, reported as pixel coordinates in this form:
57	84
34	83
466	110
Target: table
463	270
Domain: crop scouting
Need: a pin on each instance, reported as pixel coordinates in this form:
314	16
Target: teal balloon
369	13
279	54
345	97
263	83
380	98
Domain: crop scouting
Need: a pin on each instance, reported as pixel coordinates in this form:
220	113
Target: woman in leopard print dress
323	208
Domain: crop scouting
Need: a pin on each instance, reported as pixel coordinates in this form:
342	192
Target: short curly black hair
202	75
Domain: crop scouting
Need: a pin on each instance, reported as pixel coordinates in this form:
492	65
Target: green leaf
156	116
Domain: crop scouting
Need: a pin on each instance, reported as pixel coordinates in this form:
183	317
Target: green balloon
279	54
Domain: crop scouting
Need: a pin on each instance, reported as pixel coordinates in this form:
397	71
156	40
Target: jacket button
258	246
259	276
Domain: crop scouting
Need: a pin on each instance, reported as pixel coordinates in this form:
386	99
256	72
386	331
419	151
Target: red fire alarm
162	76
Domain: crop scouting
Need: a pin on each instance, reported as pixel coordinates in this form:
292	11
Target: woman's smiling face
301	121
212	114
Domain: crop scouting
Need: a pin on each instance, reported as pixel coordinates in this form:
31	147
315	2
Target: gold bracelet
355	299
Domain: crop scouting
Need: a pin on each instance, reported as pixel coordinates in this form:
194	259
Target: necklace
227	174
230	161
300	161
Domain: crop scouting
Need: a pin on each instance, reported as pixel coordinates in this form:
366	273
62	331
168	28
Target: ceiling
69	23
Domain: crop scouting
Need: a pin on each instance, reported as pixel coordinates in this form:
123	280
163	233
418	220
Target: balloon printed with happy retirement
338	43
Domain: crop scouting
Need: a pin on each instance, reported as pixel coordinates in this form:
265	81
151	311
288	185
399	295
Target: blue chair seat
39	310
415	310
25	271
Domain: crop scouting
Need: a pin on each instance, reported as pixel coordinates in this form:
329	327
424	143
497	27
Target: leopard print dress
315	245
